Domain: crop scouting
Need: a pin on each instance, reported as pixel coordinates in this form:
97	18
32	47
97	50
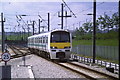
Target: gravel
41	68
45	69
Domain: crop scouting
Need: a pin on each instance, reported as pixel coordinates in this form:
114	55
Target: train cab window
60	36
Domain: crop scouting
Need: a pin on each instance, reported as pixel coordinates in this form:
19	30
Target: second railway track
87	72
19	52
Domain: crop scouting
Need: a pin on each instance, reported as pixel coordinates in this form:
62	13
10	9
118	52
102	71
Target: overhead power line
90	8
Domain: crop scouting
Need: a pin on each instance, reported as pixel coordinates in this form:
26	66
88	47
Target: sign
5	56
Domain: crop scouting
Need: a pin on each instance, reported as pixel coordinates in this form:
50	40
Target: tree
115	20
105	22
87	26
82	31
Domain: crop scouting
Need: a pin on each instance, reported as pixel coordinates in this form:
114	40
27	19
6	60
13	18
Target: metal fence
106	52
98	62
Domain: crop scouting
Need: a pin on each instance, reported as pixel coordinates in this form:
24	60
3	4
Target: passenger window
46	39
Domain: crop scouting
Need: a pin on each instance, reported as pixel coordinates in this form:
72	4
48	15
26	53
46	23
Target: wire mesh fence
106	52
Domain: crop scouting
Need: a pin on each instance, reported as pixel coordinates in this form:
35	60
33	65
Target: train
55	44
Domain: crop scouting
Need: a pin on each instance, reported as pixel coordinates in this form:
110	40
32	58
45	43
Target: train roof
46	33
41	34
59	30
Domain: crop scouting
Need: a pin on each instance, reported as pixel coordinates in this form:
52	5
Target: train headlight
52	47
67	47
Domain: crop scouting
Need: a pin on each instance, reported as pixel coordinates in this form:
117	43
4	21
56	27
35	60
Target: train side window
43	39
46	39
40	40
32	40
29	40
35	40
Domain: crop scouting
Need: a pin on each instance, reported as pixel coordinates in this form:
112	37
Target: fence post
105	63
77	49
84	59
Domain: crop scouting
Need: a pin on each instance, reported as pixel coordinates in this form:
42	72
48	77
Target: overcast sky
33	8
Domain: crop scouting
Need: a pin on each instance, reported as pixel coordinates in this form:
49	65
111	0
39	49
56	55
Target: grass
99	42
16	37
106	42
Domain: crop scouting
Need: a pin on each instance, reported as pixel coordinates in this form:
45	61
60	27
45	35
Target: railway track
18	52
87	72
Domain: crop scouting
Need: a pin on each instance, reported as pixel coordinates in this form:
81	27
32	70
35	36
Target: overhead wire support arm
69	9
43	19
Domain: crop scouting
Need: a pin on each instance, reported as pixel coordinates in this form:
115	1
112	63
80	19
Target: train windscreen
60	36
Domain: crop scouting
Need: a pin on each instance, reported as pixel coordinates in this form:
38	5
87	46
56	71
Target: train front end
60	45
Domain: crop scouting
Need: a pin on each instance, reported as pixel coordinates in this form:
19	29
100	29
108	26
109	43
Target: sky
33	8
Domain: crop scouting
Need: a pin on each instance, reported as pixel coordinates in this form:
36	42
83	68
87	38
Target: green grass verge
106	42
